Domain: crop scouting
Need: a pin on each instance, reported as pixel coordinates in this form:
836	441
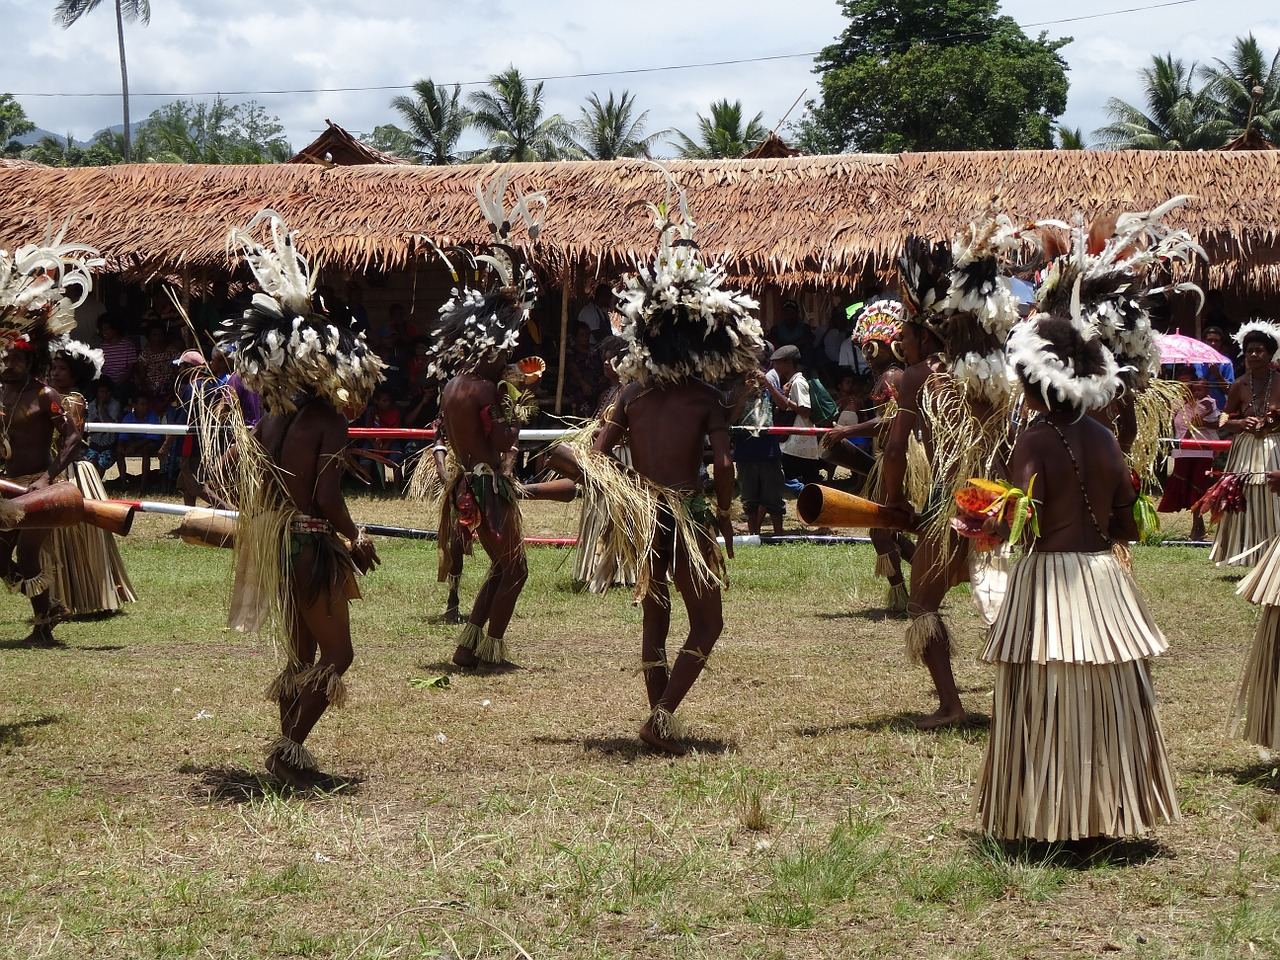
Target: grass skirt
593	565
1259	699
86	573
1076	748
1241	536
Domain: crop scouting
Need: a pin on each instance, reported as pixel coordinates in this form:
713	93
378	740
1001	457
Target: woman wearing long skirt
1251	422
1076	748
84	565
1259	700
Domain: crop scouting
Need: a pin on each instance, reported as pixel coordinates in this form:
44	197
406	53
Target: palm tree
510	114
1070	139
610	130
435	120
68	12
1245	89
722	134
1177	117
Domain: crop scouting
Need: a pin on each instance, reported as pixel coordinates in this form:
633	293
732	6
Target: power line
596	73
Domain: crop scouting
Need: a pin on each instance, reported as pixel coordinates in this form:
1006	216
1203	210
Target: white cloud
241	45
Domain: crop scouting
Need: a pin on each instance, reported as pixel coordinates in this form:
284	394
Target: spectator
384	414
1189	479
103	408
1218	377
155	363
792	330
800	453
142	445
757	457
595	316
119	354
584	377
192	377
829	340
250	402
851	357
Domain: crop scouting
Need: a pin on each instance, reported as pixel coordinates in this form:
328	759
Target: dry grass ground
514	815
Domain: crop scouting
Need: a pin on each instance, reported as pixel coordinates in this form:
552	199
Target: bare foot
661	743
941	717
451	615
465	657
42	636
289	775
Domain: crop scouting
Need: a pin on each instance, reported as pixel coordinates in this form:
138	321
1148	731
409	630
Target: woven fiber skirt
1076	751
1259	700
1072	608
1240	536
1261	585
86	572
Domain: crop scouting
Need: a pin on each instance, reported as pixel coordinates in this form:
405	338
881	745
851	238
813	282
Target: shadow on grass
974	727
1232	577
1093	853
14	734
453	670
102	616
633	748
1264	774
872	614
236	785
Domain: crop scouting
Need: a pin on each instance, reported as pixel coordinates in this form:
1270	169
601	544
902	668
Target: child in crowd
142	445
1189	473
103	408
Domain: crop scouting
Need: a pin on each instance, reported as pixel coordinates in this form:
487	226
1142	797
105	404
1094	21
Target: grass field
514	815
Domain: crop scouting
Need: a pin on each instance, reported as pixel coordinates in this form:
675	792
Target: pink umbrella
1175	348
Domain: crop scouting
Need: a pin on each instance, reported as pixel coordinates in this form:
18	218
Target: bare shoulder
893	377
913	379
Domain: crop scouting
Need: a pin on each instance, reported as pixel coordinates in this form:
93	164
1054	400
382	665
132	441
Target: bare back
668	425
294	443
474	440
1080	485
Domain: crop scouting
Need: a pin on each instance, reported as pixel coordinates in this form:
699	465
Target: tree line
904	75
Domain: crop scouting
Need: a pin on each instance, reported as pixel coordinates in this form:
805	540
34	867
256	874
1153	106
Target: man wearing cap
789	389
791	329
193	385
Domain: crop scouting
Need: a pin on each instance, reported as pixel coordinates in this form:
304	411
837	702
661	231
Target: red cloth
1188	482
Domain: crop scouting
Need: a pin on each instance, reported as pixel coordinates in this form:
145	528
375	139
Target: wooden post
566	288
186	306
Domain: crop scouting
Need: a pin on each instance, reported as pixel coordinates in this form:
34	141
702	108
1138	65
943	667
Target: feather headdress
1058	378
85	361
1267	327
1110	275
281	348
879	323
477	324
679	320
34	305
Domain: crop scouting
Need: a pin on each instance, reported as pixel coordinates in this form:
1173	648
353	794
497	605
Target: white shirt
851	357
798	445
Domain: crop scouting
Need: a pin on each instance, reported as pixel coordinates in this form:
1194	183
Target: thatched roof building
335	147
800	221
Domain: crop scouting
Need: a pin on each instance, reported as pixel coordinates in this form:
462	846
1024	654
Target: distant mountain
119	128
38	134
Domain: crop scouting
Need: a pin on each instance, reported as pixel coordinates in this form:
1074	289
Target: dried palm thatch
794	220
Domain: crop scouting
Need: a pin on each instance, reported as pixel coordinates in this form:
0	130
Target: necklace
1259	402
7	418
1075	465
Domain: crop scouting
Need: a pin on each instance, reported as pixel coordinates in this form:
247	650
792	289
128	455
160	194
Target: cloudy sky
196	46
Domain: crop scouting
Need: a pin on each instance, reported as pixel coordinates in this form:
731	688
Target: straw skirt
1076	748
592	564
1240	536
84	566
1259	699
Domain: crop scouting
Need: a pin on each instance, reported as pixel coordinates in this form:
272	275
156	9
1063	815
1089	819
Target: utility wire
597	73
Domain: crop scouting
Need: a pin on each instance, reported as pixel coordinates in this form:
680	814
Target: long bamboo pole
566	288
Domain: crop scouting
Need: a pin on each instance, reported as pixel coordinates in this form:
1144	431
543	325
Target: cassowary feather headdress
1109	274
679	320
281	347
476	325
34	305
1059	378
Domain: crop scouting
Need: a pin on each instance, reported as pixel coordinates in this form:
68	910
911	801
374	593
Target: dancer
685	333
1076	748
1259	699
35	309
878	334
482	412
1252	418
294	573
87	574
452	545
955	397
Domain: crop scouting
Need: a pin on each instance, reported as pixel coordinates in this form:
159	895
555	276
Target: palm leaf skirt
86	572
1261	585
1259	700
1241	536
1075	751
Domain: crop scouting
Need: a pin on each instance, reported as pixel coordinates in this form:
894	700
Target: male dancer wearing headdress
482	408
955	397
1076	748
1252	418
686	336
83	562
878	334
298	549
34	309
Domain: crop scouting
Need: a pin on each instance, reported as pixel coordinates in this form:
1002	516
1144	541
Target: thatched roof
818	220
771	148
336	147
